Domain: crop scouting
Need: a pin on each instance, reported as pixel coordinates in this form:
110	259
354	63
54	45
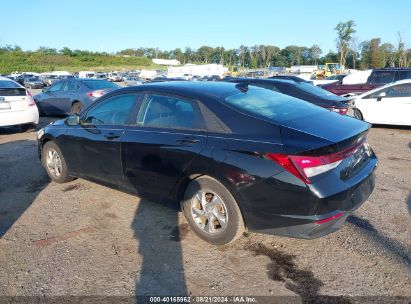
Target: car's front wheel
54	162
212	211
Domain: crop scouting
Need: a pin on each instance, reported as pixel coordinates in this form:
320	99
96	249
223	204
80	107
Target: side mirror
73	120
381	95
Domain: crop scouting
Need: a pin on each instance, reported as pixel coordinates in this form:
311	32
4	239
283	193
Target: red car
378	78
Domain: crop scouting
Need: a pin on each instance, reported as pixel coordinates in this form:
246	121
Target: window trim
135	106
193	102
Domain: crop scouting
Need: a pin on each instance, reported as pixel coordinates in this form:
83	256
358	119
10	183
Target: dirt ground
82	238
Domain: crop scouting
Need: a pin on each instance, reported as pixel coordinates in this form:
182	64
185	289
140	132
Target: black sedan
70	95
303	90
236	156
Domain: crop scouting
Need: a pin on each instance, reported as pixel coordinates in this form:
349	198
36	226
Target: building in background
197	70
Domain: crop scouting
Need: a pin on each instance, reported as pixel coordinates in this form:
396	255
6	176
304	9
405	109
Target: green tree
344	33
315	53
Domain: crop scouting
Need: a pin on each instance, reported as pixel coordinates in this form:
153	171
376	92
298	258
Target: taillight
30	99
96	94
331	218
342	111
305	167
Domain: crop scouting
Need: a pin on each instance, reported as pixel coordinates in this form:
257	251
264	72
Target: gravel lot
82	238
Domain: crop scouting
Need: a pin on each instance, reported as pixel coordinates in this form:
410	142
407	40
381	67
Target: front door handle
187	140
111	136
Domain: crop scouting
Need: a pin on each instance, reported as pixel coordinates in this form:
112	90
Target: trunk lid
329	131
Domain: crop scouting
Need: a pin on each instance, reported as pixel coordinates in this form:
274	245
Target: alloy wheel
209	212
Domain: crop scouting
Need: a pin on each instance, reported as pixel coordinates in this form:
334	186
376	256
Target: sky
110	26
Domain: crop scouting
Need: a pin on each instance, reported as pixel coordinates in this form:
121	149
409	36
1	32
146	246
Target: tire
219	232
76	107
358	114
29	127
58	172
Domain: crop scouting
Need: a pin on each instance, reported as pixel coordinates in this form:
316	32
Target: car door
95	150
166	139
50	98
390	105
66	96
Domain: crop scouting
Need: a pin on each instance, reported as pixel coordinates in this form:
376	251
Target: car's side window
169	112
57	86
114	110
68	87
401	90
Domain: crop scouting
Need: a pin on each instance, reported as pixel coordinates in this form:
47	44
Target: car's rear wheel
76	107
212	211
358	114
54	162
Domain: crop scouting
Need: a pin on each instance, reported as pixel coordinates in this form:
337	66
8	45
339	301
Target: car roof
11	80
267	80
391	69
200	89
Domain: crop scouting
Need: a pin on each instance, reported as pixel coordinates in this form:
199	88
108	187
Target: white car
390	104
17	106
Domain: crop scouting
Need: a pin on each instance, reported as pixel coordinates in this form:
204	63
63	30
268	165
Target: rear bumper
308	227
29	115
319	221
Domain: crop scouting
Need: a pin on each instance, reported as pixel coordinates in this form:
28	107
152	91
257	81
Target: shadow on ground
158	234
22	178
389	245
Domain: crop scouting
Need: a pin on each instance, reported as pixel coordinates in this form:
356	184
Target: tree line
350	52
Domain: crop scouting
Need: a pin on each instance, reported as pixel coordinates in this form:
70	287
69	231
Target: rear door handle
187	140
111	136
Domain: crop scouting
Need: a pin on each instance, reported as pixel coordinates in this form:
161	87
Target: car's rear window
99	84
6	84
271	105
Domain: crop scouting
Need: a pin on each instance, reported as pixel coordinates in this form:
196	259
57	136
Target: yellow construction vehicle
330	68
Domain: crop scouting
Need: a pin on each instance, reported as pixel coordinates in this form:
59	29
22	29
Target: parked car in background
133	81
390	104
33	83
19	79
113	76
65	76
48	80
236	158
290	77
378	78
330	79
86	74
71	95
100	75
303	90
17	107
